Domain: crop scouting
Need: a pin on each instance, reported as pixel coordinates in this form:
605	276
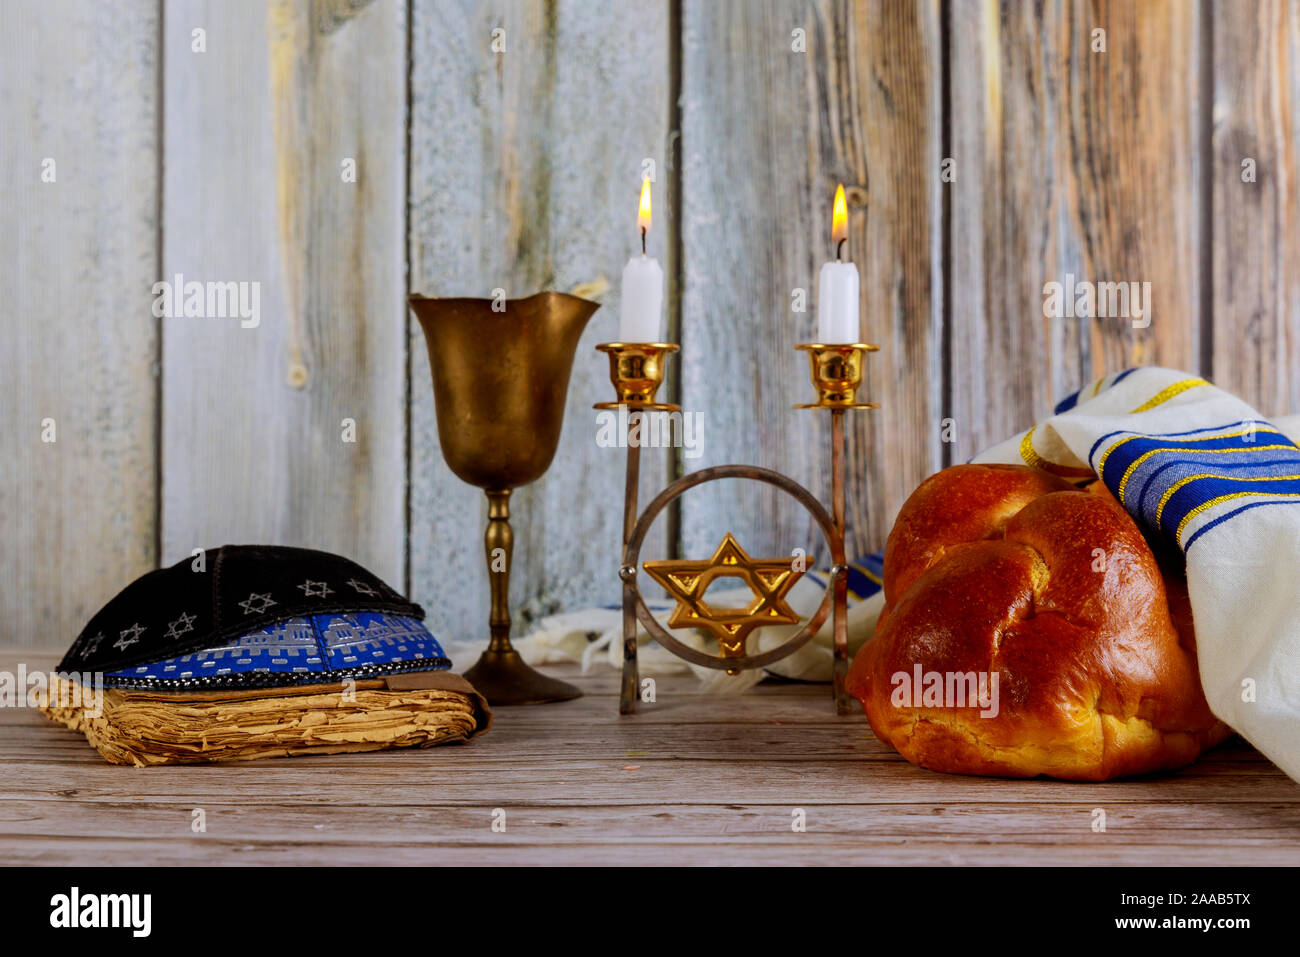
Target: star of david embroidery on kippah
123	642
363	588
255	604
312	589
92	644
183	624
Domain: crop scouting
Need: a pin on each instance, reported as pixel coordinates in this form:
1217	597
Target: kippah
254	616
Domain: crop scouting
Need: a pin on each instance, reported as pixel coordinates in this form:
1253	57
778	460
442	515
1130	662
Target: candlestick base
637	370
837	374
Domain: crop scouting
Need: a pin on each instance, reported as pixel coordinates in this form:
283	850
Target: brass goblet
500	379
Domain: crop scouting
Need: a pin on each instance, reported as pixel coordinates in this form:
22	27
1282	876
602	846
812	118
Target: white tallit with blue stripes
1204	472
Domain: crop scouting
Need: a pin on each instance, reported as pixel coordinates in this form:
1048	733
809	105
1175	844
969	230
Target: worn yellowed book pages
147	728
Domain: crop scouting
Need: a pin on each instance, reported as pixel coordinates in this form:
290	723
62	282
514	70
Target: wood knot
297	377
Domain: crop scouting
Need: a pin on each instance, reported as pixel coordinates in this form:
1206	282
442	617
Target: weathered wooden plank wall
518	168
258	134
525	175
78	254
780	102
1068	161
1255	159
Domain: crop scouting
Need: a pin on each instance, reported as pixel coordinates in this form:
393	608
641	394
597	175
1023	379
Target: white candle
643	296
837	303
640	310
837	286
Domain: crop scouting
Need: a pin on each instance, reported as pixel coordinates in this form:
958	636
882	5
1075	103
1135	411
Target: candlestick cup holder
637	372
837	372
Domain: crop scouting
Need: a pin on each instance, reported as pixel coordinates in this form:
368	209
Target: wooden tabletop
691	780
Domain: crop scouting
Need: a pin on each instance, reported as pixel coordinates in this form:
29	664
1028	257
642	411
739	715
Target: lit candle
837	288
641	306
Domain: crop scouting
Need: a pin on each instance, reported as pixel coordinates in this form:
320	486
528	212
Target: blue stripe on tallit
1066	404
1227	515
1092	453
1195	494
1166	480
1145	502
1071	400
1170	472
865	575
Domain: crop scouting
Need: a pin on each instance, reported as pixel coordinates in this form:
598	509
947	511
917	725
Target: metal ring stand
634	606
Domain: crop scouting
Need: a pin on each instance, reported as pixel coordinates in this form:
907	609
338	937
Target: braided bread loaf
1028	631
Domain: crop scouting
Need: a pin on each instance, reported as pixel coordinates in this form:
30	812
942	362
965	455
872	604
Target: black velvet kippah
177	610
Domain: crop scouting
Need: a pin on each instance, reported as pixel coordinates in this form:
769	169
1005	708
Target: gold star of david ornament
770	580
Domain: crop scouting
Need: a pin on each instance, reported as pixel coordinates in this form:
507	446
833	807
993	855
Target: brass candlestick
836	372
500	379
636	372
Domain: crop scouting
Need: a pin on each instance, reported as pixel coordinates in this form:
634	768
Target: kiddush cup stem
501	674
498	542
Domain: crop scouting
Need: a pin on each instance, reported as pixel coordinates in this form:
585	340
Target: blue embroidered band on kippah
302	650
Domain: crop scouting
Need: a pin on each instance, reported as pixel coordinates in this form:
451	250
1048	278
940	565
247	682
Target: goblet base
504	678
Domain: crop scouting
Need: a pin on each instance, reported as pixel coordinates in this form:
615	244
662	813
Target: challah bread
1027	631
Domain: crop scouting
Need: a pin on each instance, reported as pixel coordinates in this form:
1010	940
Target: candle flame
840	216
643	213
